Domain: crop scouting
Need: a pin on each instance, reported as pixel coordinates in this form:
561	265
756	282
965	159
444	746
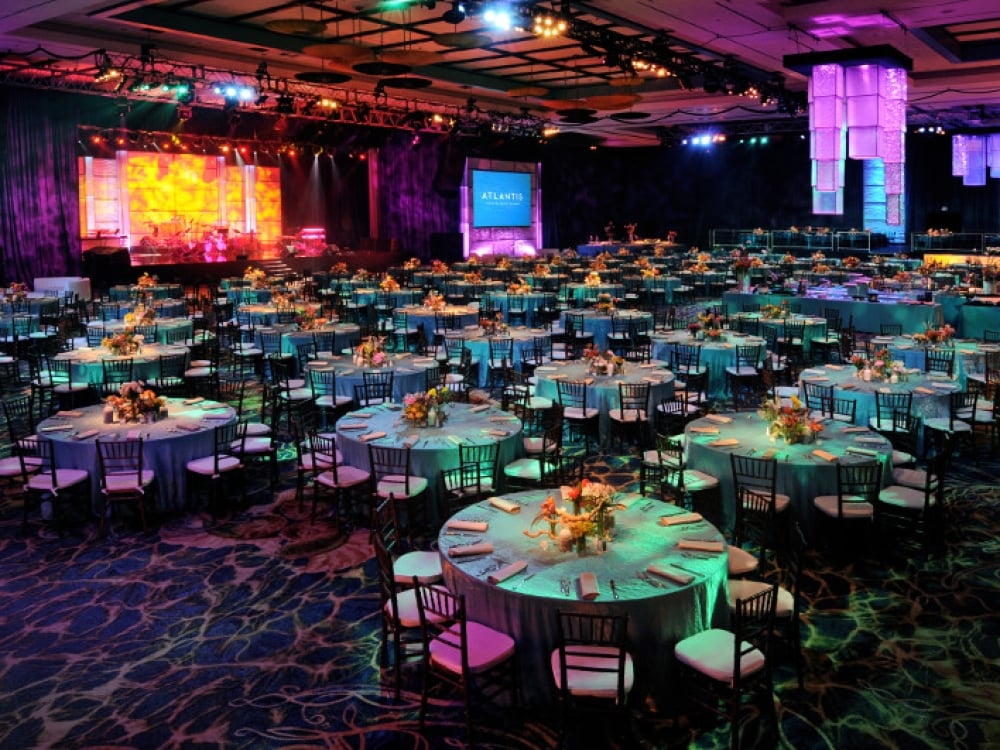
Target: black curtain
325	190
39	183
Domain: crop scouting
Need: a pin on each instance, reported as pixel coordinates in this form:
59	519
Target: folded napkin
861	451
195	400
718	418
354	426
769	453
814	378
722	442
371	436
651	379
810	371
497	433
410	440
455	439
921	389
189	426
318	363
855	429
133	435
702	545
506	418
935	376
459	525
512	569
393	407
57	428
825	455
705	430
69	413
885	390
834	367
211	405
362	414
677	576
680	518
876	440
508	506
588	586
349	371
478	548
589	381
847	386
647	366
216	415
481	407
422	360
944	386
85	435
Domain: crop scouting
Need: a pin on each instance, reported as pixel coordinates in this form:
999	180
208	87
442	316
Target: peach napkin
814	378
723	442
677	576
589	381
861	451
855	429
85	435
921	389
354	426
702	545
507	571
651	379
56	428
371	436
361	414
189	426
718	418
69	413
508	506
479	548
459	525
195	400
481	407
133	435
588	586
705	430
769	453
680	518
847	386
825	455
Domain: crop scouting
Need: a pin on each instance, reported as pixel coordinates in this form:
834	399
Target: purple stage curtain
39	185
409	208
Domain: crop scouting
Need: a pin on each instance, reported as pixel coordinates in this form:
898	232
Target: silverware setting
564	586
642	575
614	589
522	581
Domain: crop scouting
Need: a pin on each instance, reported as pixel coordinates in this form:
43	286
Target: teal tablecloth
526	607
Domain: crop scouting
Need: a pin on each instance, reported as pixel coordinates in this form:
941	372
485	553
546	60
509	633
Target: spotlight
547	25
106	70
498	17
184	92
456	15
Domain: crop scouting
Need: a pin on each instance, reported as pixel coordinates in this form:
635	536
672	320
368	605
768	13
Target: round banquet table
87	368
599	324
432	449
342	334
416	314
969	355
162	326
802	475
187	433
814	328
525	606
930	391
716	354
479	344
408	373
602	393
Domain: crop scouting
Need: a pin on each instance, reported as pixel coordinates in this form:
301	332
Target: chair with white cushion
720	668
221	467
124	477
917	513
46	481
761	511
393	477
850	509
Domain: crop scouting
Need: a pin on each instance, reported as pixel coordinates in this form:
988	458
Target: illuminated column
993	154
827	138
968	158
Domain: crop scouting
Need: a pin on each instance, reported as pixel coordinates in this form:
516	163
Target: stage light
498	17
548	25
106	70
285	105
455	15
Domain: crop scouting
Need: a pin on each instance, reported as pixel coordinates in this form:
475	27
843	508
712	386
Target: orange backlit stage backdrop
181	207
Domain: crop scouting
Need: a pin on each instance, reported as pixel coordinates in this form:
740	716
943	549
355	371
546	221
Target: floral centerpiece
659	251
426	408
362	274
439	267
435	301
819	256
593	506
598	264
146	281
519	287
338	269
788	258
555	261
593	279
880	367
541	269
141	315
694	328
473	260
821	268
17	292
699	267
473	277
930	267
412	263
309	319
257	277
851	261
789	421
903	277
623	251
504	264
710	320
134	401
493	326
122	344
605	303
607	363
371	353
774	312
389	284
649	272
934	335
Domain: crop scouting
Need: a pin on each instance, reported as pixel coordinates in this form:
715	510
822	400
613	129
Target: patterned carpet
261	631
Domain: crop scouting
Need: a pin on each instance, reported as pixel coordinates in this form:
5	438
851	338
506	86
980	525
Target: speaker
446	246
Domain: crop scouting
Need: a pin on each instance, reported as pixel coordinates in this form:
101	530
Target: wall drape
39	191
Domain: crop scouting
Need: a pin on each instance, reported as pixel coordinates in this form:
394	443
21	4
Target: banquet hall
532	374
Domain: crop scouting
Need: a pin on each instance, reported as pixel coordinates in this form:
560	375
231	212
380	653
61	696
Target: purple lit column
828	138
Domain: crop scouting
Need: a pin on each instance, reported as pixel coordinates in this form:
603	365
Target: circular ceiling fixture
464	39
626	81
327	77
337	51
612	101
381	68
406	82
527	91
454	15
629	116
300	25
412	58
563	104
